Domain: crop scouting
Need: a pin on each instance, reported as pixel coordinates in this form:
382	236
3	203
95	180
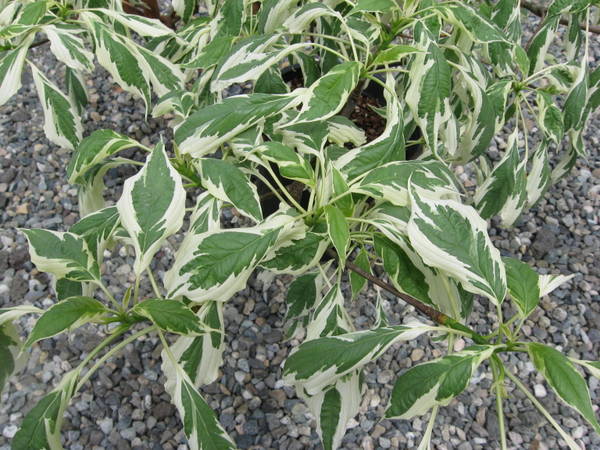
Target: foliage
452	76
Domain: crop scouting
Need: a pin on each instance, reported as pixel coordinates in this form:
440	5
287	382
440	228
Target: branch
540	11
427	310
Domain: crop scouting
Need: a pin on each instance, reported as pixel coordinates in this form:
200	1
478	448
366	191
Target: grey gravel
125	405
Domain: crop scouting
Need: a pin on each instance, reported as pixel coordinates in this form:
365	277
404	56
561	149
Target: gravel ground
125	405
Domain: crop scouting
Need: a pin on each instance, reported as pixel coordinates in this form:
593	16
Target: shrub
341	155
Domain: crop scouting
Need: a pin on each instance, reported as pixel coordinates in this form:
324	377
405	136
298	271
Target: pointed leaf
523	285
170	315
152	206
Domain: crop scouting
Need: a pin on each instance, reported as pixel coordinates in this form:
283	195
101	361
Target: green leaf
337	228
476	26
564	379
435	383
340	187
228	183
152	206
215	265
62	254
207	129
94	149
66	315
170	315
76	89
32	12
453	238
301	295
329	94
357	282
298	255
212	53
65	288
318	363
10	345
394	54
62	124
290	164
523	285
374	6
40	429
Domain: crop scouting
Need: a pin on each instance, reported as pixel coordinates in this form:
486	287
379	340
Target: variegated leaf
206	130
391	181
40	429
228	183
152	206
298	255
550	282
94	149
203	430
470	21
387	147
538	178
14	312
334	408
504	190
171	316
428	95
201	356
549	117
216	264
320	362
97	229
291	164
329	94
329	317
62	254
342	131
69	48
453	238
62	124
435	383
144	26
11	67
76	89
119	58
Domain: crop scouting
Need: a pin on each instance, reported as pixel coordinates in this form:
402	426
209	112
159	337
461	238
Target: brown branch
423	308
540	11
37	44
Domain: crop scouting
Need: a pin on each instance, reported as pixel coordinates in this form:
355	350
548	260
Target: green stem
110	297
115	334
282	188
498	385
136	289
117	348
569	440
153	283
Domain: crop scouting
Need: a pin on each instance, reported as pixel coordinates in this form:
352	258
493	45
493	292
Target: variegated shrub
452	75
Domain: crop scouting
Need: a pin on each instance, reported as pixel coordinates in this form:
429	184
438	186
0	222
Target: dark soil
365	117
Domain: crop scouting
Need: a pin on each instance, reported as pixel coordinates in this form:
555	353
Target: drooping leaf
201	356
67	314
152	206
301	295
69	48
564	379
97	228
40	429
435	383
11	67
62	124
10	346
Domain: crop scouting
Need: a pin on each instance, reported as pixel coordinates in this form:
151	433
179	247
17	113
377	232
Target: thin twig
540	11
432	313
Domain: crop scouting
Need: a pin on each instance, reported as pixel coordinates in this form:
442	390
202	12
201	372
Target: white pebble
10	431
540	391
